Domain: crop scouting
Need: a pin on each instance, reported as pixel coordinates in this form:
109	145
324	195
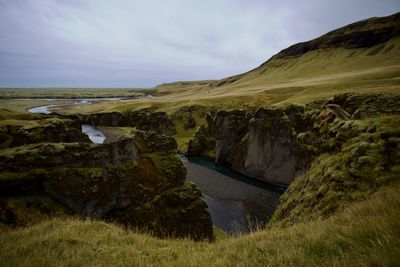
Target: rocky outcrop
362	156
229	128
141	119
106	119
268	152
49	130
368	105
262	146
202	143
278	144
100	181
186	214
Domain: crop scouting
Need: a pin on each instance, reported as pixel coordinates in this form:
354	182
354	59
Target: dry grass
364	234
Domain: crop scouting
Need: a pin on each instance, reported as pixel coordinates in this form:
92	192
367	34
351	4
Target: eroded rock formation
144	119
138	177
48	130
277	144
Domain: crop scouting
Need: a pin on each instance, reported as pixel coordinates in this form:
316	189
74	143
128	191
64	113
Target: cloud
144	43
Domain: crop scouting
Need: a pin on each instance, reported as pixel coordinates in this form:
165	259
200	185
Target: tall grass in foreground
364	234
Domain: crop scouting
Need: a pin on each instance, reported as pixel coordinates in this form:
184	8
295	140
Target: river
84	101
237	204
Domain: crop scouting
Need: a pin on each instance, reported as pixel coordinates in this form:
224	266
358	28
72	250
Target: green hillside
363	56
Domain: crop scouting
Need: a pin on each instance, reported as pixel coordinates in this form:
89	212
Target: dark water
237	203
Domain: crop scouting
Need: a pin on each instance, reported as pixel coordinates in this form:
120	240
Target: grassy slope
315	75
364	234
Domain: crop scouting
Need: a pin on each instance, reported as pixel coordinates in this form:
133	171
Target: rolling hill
363	56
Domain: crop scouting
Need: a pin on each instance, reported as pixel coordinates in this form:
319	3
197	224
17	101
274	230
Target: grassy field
11	93
363	234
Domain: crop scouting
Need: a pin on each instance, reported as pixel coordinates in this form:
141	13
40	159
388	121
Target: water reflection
236	203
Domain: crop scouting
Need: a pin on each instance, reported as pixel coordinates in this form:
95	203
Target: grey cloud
144	43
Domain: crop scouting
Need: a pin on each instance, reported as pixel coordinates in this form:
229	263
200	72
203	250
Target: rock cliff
139	176
144	119
47	130
261	145
278	144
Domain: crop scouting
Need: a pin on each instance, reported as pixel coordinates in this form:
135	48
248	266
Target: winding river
87	101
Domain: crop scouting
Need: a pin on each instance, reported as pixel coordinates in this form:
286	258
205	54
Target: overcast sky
142	43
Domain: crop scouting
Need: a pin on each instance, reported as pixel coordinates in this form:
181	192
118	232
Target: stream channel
237	204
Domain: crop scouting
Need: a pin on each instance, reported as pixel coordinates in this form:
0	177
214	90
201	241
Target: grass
364	234
313	76
11	93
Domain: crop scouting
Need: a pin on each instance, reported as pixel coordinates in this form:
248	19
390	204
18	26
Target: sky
142	43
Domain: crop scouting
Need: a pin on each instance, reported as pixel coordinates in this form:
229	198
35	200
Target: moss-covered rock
152	142
179	212
48	130
50	155
277	144
106	119
202	144
368	105
260	144
186	116
366	157
96	180
144	119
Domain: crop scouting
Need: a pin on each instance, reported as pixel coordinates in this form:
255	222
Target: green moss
186	120
362	164
179	212
170	166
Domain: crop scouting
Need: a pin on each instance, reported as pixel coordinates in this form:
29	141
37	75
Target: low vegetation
362	234
71	93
